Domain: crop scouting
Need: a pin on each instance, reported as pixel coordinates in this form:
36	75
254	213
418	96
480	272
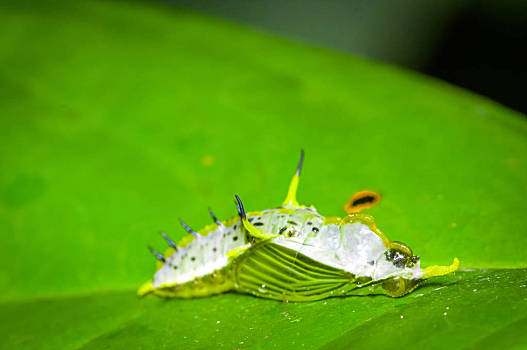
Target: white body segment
352	247
202	256
208	253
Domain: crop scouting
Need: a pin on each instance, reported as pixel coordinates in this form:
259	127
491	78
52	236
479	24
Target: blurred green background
117	118
476	44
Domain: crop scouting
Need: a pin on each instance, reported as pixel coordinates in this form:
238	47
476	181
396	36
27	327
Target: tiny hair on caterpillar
290	253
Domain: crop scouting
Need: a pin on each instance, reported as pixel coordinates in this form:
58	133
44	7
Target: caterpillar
289	253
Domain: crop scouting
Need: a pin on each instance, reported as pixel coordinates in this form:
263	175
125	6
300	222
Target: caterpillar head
394	269
408	275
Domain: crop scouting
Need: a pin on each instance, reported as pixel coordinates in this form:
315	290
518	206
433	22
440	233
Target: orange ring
362	200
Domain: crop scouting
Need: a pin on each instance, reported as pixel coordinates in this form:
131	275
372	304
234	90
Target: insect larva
289	253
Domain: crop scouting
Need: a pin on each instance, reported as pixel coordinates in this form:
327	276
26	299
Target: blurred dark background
478	45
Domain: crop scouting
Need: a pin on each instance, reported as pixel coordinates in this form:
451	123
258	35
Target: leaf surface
117	118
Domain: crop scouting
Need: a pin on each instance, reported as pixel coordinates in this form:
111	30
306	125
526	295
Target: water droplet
217	321
402	316
474	290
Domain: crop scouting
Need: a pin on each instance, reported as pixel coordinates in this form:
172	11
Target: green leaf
117	118
482	309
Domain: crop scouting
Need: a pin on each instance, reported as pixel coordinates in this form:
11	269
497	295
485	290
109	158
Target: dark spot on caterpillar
309	223
413	261
235	238
235	226
258	224
175	267
292	222
371	262
401	258
214	249
290	234
193	258
251	219
315	229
